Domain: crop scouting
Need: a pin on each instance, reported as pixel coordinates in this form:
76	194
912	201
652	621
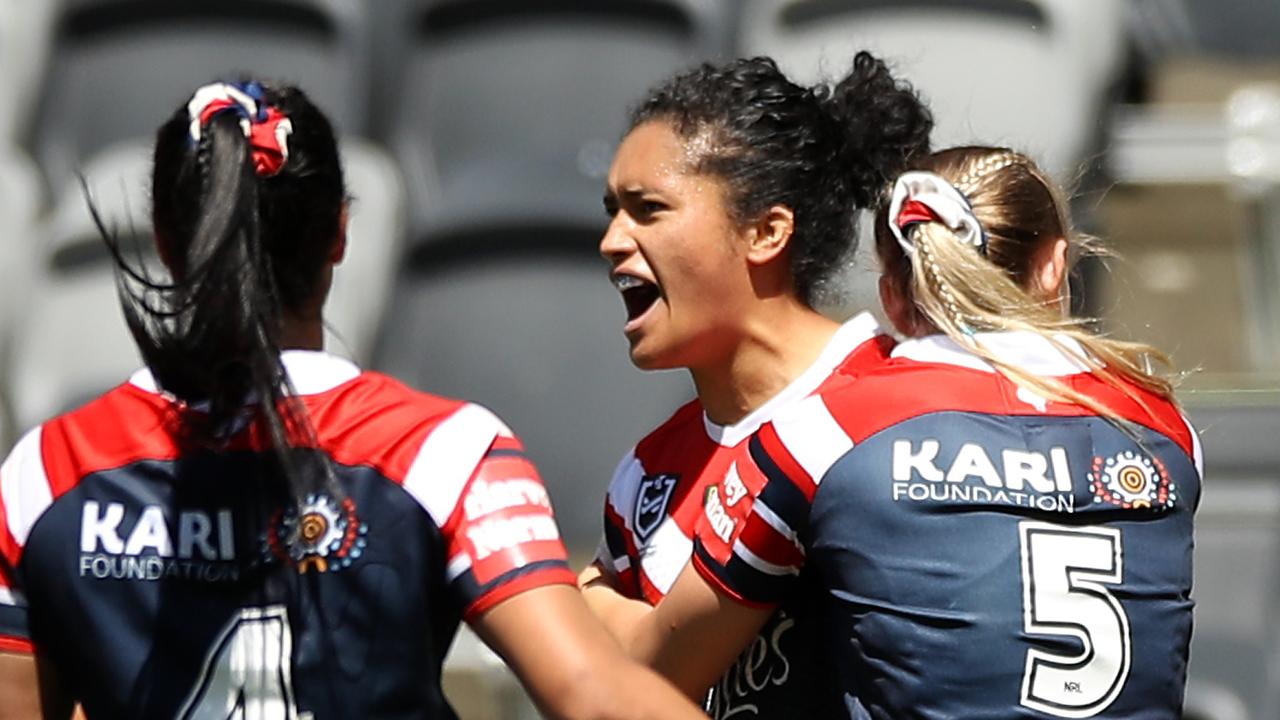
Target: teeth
627	282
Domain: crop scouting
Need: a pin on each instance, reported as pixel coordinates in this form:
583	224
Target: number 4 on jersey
248	673
1064	570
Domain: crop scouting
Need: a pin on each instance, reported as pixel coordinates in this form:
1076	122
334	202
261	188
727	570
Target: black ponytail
824	151
243	250
885	125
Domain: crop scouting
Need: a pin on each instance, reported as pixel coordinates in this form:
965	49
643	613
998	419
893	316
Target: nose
617	242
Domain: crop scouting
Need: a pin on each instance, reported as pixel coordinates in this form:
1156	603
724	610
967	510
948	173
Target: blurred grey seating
24	49
19	203
1033	74
1243	29
505	119
506	112
119	67
362	284
1235	650
71	342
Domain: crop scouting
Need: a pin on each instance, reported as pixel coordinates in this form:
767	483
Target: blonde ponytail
963	290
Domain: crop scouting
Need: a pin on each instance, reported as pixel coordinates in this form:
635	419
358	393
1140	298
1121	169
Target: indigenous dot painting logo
322	534
1130	480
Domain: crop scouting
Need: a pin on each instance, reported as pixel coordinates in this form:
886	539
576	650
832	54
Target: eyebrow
625	194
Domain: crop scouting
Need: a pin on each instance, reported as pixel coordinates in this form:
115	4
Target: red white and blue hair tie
919	197
266	128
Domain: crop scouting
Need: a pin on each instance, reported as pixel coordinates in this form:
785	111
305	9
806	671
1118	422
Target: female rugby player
733	200
250	527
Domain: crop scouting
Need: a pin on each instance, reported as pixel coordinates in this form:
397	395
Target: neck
775	348
298	333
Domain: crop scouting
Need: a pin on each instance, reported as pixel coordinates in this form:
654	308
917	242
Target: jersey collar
1020	348
857	330
310	371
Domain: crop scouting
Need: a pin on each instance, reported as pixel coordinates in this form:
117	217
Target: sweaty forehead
654	155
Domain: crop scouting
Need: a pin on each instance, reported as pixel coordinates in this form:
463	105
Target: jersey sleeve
747	541
617	547
500	536
24	496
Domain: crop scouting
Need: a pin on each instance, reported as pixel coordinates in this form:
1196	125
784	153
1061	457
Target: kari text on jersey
144	548
979	474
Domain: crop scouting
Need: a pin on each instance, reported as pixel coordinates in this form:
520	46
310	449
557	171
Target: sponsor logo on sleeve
718	519
508	524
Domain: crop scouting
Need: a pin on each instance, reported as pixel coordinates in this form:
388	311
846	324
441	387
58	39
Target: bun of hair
885	123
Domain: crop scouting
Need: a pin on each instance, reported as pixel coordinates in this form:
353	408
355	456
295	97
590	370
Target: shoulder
377	420
901	389
687	420
685	423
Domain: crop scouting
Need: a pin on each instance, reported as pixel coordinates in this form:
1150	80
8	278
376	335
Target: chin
649	359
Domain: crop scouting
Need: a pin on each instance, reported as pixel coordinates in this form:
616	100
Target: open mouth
638	294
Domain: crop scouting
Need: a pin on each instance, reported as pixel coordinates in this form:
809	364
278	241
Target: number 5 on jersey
1064	573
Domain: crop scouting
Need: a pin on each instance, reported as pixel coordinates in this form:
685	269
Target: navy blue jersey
165	582
980	551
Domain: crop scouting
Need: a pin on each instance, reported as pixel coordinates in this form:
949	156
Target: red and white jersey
137	564
655	497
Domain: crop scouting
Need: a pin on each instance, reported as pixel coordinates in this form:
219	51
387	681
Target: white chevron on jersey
813	436
24	487
448	458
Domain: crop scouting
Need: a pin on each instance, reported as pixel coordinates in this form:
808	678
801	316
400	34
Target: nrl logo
651	503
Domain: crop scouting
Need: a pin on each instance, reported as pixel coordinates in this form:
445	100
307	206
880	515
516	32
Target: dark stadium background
476	136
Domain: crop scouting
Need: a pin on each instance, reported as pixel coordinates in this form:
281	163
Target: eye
650	207
610	205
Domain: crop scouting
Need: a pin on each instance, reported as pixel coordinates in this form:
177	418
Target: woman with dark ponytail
733	201
250	527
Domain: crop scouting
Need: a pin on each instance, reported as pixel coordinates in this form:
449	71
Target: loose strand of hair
993	301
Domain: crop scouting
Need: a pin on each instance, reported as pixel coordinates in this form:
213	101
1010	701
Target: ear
897	307
339	249
770	235
1050	273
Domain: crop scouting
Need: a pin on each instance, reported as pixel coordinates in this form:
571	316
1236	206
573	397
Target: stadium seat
1028	73
1239	29
120	66
19	205
506	112
505	118
1235	650
71	342
362	284
24	50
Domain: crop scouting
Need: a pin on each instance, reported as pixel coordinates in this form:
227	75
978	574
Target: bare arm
28	694
570	667
691	637
621	615
18	687
695	633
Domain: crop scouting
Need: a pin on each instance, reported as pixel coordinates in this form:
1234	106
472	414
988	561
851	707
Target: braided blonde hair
961	290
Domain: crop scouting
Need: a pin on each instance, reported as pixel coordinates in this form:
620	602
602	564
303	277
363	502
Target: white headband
920	196
207	95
